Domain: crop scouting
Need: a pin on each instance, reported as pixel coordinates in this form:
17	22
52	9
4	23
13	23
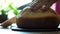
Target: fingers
49	3
39	4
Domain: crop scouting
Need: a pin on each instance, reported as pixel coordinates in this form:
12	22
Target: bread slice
37	19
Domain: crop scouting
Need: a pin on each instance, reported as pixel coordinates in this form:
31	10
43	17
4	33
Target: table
9	31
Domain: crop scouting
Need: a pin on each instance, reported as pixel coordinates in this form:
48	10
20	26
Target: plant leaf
3	12
15	11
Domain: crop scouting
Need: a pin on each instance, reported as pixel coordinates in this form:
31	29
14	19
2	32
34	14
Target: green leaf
15	11
10	6
3	12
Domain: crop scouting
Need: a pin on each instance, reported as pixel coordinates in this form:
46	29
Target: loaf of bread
40	17
37	19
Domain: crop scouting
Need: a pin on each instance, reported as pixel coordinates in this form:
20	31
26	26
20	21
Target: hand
41	4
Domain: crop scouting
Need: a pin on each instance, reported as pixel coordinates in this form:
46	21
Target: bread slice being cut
37	19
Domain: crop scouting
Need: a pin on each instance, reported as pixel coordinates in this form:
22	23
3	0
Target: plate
15	28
